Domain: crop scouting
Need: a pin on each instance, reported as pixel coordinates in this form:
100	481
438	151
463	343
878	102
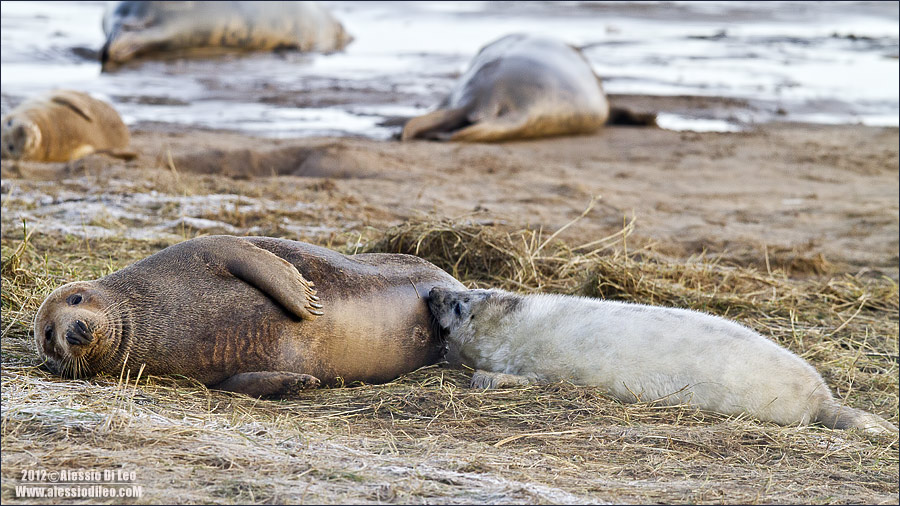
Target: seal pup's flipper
436	123
268	383
485	379
835	416
270	274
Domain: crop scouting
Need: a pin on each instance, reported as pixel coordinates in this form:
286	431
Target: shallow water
818	62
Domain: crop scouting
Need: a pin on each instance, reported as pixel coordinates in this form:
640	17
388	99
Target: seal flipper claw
267	272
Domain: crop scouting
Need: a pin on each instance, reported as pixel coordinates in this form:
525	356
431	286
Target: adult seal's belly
255	315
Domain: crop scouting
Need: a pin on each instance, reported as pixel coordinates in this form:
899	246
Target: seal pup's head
77	329
464	315
20	137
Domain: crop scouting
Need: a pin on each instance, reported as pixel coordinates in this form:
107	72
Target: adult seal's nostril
79	334
72	338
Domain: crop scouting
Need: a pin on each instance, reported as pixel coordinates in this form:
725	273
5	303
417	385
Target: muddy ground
801	194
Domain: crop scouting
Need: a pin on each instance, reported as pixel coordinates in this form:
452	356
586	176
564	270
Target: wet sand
808	198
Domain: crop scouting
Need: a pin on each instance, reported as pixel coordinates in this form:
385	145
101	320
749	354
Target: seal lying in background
242	314
518	87
62	125
137	29
637	353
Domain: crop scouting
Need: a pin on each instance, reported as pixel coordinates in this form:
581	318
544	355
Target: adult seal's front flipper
269	273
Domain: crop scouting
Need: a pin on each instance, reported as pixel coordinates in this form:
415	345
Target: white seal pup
518	87
637	353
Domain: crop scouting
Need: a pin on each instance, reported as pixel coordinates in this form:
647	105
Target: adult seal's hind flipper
269	273
436	125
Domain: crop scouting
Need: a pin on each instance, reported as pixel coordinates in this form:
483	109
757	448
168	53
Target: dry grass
426	437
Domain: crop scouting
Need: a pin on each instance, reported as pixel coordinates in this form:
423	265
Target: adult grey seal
637	353
255	315
60	126
518	87
143	29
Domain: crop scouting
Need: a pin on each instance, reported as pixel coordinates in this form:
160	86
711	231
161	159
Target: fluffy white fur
637	352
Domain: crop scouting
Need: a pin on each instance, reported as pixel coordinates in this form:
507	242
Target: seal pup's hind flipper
435	123
268	383
270	274
836	416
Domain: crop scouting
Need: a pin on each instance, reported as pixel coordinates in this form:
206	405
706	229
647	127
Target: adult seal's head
79	330
63	125
518	87
256	315
136	29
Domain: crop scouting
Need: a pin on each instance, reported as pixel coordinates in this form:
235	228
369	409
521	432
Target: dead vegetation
426	437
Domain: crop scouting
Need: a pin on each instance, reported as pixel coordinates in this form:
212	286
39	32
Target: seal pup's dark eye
74	299
457	308
11	147
48	332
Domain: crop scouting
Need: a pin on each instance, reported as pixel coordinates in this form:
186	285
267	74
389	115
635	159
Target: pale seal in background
637	352
518	87
62	125
242	314
158	29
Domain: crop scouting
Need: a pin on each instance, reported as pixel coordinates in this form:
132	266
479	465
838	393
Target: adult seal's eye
48	332
457	308
74	299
